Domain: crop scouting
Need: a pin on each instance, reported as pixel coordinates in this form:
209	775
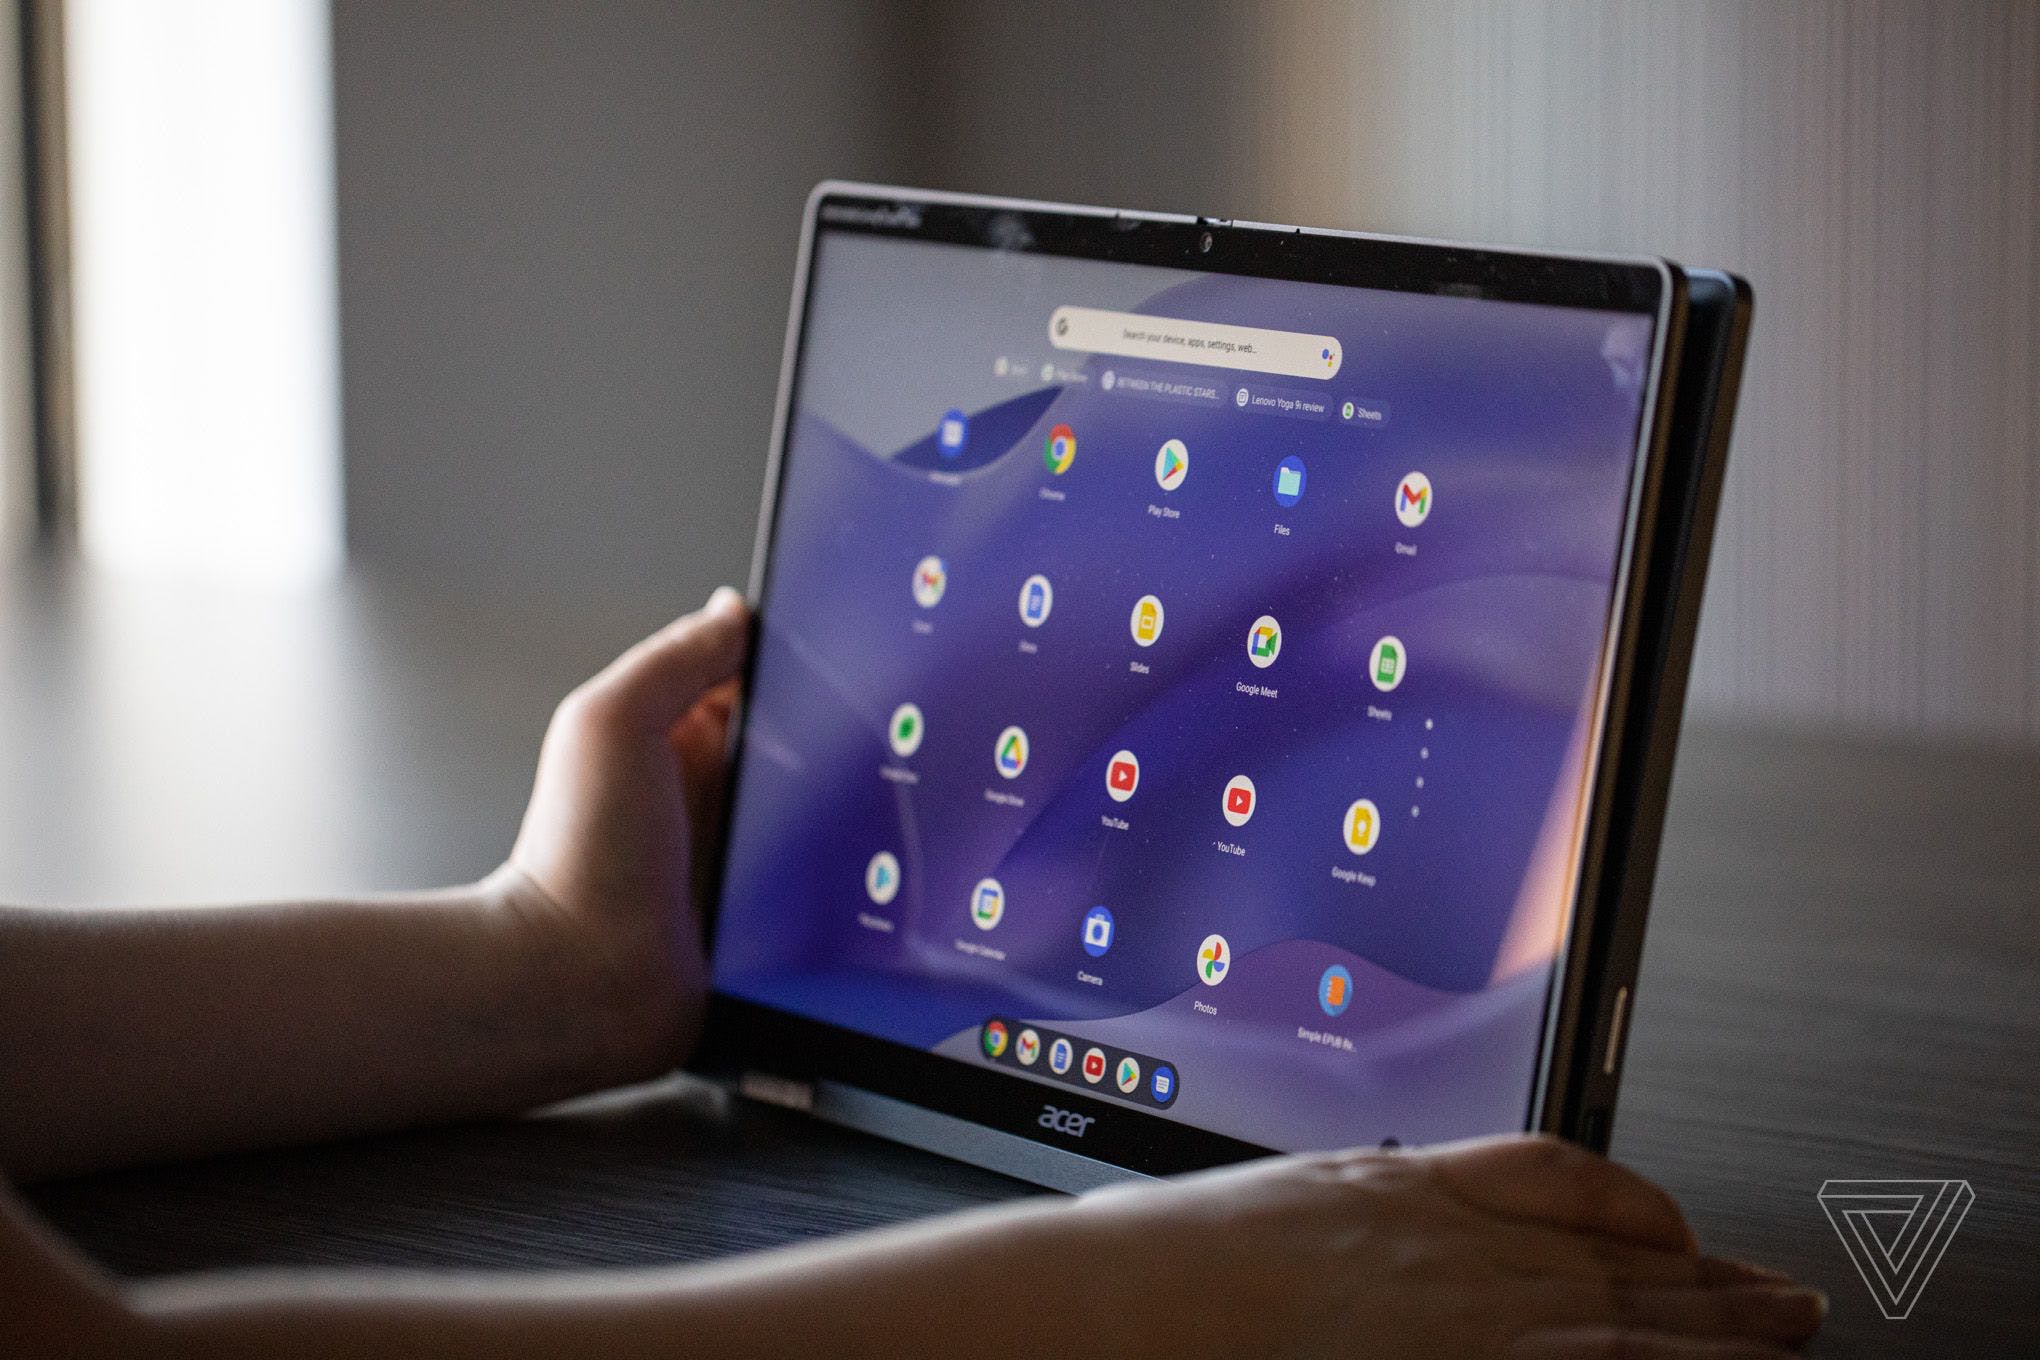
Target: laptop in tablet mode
1213	683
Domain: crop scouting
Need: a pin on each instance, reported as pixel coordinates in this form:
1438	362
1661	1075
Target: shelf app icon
987	903
1094	1065
1027	1047
1289	475
1060	449
952	436
1264	641
931	578
1385	665
1214	960
1335	990
1097	932
1362	827
1146	622
1037	597
882	878
995	1038
1163	1085
1172	464
1239	800
1122	775
1010	753
905	730
1127	1075
1413	500
1060	1056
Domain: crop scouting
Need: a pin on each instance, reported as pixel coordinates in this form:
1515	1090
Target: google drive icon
1010	753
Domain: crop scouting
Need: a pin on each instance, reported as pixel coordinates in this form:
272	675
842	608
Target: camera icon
1097	931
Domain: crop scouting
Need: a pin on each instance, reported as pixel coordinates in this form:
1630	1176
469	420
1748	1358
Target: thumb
656	682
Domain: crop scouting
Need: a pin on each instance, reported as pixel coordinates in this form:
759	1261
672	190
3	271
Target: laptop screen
1179	688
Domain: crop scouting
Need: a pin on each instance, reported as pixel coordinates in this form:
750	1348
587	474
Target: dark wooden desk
1843	980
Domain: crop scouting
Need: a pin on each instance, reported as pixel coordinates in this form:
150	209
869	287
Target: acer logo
1065	1121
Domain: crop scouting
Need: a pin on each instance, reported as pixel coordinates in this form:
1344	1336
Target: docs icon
1163	1084
1097	932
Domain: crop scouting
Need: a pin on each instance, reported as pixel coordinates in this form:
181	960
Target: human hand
1526	1248
623	813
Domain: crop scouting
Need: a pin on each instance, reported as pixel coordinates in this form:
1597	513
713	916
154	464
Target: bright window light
206	359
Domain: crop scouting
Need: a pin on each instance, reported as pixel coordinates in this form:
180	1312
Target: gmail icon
1122	776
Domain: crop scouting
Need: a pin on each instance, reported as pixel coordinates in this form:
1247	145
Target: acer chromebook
1214	684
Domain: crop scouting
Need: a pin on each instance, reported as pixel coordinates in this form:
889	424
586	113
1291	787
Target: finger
1760	1312
1552	1181
1727	1270
720	702
701	741
1781	1315
1605	1343
700	737
659	681
1545	1251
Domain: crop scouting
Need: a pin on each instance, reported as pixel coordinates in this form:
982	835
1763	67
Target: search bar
1291	354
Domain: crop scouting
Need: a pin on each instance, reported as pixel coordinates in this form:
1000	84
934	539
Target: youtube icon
1094	1065
1239	800
1122	776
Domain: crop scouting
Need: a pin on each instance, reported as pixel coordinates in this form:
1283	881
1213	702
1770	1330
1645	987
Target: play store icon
1172	464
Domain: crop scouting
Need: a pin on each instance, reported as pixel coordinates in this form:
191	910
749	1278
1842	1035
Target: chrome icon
1059	450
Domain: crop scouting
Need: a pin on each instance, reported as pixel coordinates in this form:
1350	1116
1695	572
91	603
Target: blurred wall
566	237
1135	104
1874	169
567	234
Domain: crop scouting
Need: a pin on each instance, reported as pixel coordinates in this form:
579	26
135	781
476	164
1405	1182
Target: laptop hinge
776	1090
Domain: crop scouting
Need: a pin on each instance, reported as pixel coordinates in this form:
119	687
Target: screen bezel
742	1036
1700	405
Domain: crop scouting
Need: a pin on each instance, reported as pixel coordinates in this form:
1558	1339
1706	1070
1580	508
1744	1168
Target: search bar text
1213	344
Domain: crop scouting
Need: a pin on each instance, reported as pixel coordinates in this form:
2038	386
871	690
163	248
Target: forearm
144	1034
988	1284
